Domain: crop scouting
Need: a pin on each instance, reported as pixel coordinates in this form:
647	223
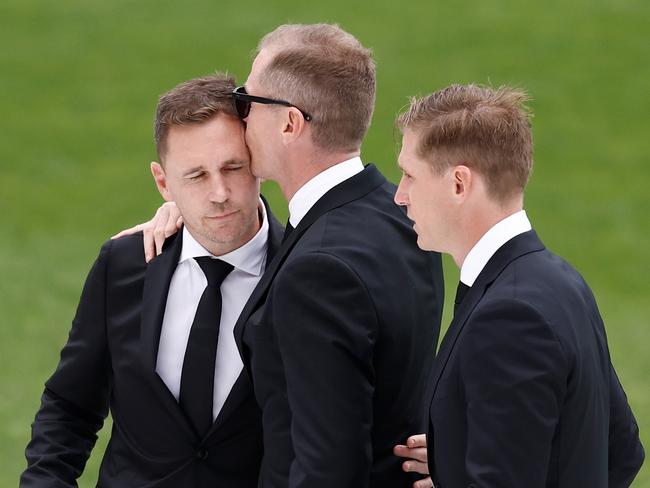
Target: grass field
78	88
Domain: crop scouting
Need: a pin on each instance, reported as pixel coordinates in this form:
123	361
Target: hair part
326	72
486	129
192	102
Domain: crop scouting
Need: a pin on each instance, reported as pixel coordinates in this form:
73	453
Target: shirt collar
312	191
490	243
250	257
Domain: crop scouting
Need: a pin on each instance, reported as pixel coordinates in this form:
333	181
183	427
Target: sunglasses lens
243	107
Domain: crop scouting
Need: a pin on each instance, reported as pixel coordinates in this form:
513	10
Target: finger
171	226
419	454
159	240
155	229
419	440
127	232
148	244
423	483
402	451
412	466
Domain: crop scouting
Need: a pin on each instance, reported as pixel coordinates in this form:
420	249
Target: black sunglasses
243	103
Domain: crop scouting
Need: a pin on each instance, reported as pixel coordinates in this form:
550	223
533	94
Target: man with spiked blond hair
523	392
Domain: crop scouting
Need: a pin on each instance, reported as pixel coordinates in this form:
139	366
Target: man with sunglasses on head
154	342
339	334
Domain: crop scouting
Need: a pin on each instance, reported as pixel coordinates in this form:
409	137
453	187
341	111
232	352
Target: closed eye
195	176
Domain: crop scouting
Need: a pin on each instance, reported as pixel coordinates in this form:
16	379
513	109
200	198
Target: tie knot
215	270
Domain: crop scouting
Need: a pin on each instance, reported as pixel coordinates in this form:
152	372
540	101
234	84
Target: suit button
202	453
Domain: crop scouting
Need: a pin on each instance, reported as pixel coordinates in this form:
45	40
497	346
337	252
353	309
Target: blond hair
486	129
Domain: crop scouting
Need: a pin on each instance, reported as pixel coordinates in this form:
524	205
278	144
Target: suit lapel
242	389
276	231
156	287
516	247
349	190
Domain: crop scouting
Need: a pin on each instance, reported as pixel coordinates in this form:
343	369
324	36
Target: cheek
424	203
416	198
252	127
194	196
243	186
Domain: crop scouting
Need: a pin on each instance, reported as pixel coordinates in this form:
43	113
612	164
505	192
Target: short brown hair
327	73
486	129
193	102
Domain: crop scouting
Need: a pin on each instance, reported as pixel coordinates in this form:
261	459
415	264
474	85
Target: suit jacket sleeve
75	401
326	328
625	450
513	372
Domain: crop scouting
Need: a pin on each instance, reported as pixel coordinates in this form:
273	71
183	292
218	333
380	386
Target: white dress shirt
490	243
185	290
312	191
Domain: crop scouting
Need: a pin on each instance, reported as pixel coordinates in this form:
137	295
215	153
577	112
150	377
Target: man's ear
160	178
294	126
463	181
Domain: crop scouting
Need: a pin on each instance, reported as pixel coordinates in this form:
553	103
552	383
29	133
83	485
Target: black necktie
197	377
461	291
287	231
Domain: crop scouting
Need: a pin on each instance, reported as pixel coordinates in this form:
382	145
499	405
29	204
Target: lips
222	216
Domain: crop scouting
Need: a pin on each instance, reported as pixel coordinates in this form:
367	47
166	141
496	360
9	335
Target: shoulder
316	268
509	331
373	221
549	284
499	320
131	244
123	254
321	274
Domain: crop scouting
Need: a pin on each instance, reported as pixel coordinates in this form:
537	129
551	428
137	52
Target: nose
219	191
401	195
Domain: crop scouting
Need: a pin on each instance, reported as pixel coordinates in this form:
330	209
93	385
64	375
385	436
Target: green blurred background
80	79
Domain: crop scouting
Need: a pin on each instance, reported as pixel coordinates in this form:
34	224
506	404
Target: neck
302	168
477	223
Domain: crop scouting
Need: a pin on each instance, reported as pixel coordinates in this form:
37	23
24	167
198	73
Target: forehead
260	61
408	151
221	137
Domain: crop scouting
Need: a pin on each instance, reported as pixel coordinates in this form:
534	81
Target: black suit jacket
523	390
339	336
110	361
